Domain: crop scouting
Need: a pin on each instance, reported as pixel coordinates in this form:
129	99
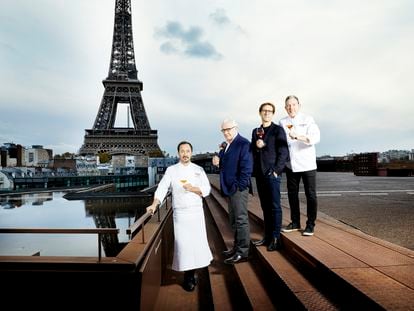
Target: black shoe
308	231
189	283
291	227
229	252
274	245
235	259
263	241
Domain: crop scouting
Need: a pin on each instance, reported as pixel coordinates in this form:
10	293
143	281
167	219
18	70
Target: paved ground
380	206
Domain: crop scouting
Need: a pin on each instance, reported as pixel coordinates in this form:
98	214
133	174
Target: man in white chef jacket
189	184
302	135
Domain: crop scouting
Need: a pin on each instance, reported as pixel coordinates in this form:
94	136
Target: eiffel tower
122	87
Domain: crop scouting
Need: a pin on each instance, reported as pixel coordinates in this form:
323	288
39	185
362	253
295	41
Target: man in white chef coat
302	135
189	184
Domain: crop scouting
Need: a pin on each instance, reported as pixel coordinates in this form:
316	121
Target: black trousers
309	183
268	188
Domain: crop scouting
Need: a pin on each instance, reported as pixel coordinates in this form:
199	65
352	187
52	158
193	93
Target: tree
104	157
66	155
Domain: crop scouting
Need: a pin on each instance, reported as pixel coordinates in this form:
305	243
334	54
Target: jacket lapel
233	143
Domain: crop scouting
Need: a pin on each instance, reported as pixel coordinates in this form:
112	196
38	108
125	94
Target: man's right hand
151	209
260	143
216	161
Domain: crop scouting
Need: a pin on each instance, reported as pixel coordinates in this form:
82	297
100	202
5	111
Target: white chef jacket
302	154
191	249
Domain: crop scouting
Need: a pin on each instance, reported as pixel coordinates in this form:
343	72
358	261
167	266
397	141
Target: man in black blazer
270	154
236	165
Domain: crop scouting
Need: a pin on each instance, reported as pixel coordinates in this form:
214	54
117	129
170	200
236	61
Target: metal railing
98	231
140	223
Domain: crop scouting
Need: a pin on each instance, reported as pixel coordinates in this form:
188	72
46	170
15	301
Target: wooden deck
339	268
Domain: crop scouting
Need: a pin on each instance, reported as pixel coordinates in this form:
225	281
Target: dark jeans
239	221
268	188
309	183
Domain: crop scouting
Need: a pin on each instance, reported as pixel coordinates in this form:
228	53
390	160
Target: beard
185	159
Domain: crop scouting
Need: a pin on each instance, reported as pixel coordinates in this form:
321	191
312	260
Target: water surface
51	210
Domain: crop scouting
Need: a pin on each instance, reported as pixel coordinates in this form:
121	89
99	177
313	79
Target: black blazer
274	155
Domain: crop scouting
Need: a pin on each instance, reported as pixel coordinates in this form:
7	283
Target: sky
350	63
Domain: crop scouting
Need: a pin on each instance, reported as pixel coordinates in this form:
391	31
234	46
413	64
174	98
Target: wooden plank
251	284
377	269
317	250
220	275
402	274
367	251
387	292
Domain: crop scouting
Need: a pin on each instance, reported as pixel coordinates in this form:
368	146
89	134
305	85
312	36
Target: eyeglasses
227	129
267	111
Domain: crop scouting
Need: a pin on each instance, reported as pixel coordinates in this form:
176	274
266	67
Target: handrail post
99	247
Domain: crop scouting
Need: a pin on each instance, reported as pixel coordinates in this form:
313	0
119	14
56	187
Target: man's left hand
293	134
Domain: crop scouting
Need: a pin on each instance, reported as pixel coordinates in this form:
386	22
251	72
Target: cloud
219	17
199	63
185	42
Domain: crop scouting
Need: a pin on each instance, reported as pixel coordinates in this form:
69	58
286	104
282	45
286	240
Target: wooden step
378	273
224	294
302	294
251	285
362	267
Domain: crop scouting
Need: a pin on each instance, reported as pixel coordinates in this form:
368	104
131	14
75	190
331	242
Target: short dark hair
290	97
267	104
184	143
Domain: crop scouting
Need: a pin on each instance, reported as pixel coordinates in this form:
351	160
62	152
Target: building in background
12	155
37	156
366	164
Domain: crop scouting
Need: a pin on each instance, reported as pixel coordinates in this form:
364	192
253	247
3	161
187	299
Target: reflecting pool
51	210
